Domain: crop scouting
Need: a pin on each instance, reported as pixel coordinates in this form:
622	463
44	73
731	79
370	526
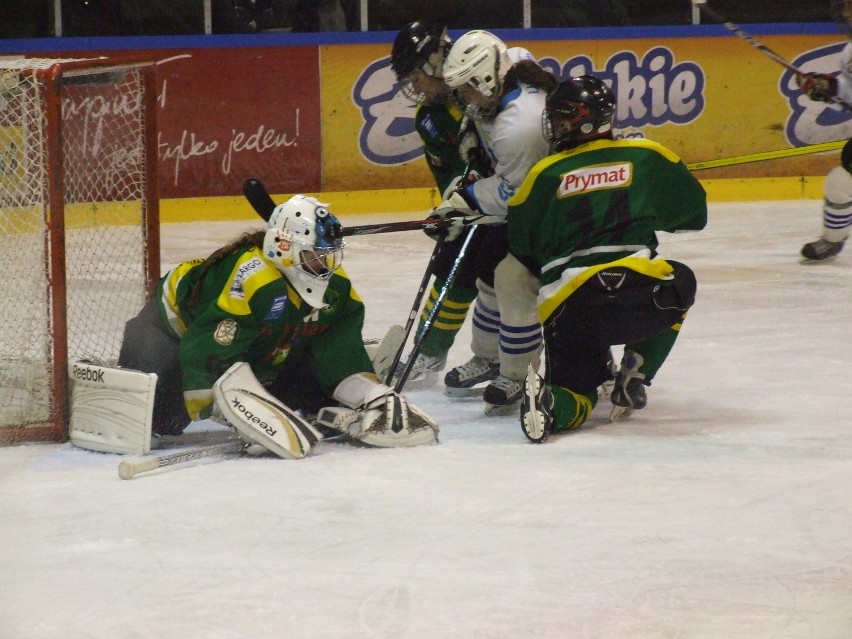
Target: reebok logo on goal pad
87	374
594	178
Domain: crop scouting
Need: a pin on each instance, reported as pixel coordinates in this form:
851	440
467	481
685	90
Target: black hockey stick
263	204
415	308
427	325
734	28
259	198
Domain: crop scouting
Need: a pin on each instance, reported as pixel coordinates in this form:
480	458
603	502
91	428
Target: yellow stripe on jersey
251	272
554	294
524	191
169	299
198	403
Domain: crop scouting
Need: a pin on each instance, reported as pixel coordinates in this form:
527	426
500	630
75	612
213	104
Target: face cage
564	132
432	67
475	111
319	262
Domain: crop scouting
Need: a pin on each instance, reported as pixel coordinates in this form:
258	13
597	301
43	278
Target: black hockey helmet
578	110
414	47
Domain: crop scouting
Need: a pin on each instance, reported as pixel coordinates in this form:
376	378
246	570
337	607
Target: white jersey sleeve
514	142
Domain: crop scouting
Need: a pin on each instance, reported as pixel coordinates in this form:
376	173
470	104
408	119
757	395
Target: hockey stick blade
259	198
130	468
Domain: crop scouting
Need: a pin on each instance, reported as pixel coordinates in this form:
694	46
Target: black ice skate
820	250
462	380
629	392
503	396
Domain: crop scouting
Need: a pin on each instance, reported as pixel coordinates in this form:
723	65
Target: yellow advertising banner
703	97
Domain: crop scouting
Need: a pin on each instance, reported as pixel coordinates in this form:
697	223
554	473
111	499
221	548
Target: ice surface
722	510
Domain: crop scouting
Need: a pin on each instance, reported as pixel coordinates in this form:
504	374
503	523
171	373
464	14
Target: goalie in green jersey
585	221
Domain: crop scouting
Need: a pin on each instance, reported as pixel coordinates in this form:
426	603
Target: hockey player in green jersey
417	59
277	300
585	220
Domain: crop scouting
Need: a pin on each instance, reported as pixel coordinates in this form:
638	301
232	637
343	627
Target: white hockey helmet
305	242
477	64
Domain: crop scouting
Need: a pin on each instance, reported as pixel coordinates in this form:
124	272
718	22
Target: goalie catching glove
818	86
376	415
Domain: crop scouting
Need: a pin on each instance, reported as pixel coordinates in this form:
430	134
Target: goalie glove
820	87
377	416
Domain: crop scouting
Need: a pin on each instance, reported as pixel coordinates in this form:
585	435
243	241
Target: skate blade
501	410
464	393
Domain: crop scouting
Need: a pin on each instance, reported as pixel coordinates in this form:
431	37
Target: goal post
79	225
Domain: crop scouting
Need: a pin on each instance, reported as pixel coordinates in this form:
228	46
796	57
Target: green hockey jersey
246	311
598	205
439	124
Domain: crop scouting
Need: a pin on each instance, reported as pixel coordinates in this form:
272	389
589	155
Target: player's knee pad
677	293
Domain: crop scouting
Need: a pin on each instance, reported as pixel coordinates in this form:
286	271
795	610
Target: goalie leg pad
259	418
111	408
393	422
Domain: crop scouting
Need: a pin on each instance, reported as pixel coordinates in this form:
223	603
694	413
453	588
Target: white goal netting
78	226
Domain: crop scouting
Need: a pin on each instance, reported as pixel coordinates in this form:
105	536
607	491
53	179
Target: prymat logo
595	178
653	89
815	122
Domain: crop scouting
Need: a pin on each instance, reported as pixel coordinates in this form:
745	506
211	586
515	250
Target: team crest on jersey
226	332
333	301
596	178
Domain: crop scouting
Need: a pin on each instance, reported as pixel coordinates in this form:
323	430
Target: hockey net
79	225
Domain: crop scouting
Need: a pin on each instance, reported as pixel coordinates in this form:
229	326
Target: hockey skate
503	396
536	408
462	380
820	250
424	374
629	392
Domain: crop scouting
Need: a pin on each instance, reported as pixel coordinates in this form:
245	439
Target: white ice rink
721	511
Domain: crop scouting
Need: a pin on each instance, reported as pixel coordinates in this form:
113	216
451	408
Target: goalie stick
130	468
734	28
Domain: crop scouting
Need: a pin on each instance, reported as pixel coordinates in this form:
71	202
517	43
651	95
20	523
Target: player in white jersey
503	91
837	206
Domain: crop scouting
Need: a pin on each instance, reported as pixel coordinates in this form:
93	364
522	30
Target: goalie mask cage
79	225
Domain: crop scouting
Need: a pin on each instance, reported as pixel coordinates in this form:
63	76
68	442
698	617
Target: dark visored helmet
414	47
577	110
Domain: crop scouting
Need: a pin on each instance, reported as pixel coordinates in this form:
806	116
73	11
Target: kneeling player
585	220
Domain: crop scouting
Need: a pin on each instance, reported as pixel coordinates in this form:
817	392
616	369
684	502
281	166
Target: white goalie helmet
477	64
305	242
